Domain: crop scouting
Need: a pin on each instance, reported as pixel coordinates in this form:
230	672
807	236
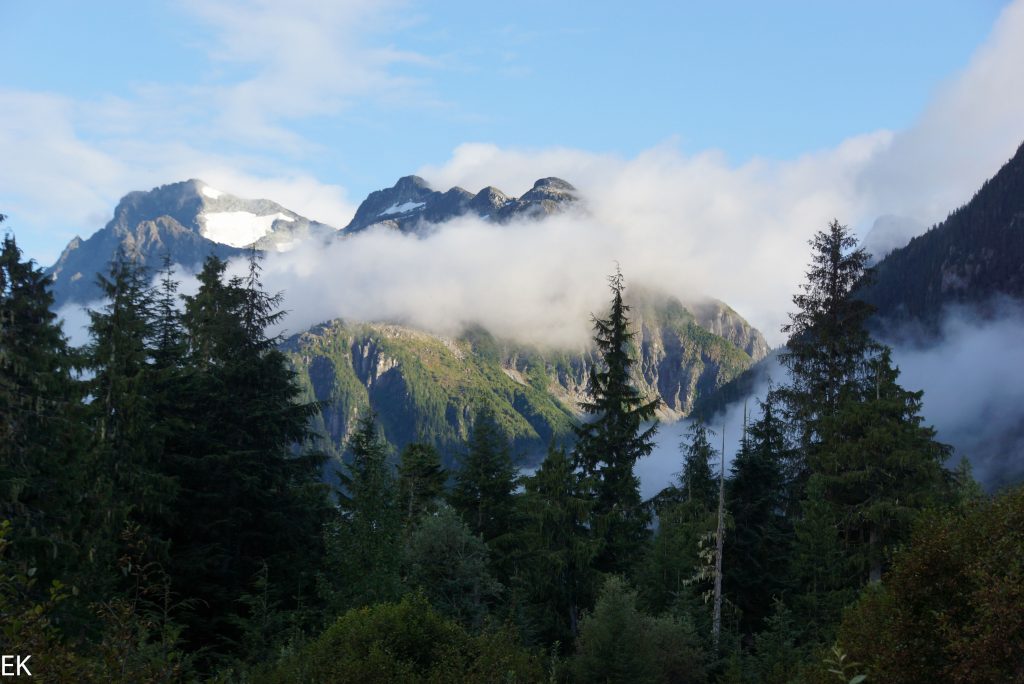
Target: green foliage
484	492
42	432
618	643
406	642
485	482
449	565
950	608
555	579
609	445
879	466
697	481
757	552
364	543
420	481
245	499
823	574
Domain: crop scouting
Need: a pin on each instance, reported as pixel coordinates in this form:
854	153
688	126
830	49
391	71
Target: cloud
970	128
307	58
973	382
67	161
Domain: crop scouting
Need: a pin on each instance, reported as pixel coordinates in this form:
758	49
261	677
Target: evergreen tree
126	454
608	446
677	570
41	432
364	544
420	480
246	499
555	580
485	483
821	571
450	565
880	466
828	347
757	551
697	481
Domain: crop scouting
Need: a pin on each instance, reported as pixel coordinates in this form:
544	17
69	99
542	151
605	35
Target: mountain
188	220
421	385
411	203
426	387
972	258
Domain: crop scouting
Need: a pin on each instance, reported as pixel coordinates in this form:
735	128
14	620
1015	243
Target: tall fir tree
127	449
250	508
828	347
420	480
697	480
880	467
486	482
756	567
609	445
42	436
364	545
556	580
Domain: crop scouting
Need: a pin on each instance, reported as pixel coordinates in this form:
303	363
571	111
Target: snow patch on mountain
212	193
402	208
239	228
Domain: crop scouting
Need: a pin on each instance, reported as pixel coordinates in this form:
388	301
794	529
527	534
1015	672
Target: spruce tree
486	481
828	347
556	580
127	446
697	481
248	498
420	480
364	543
880	467
676	570
756	555
609	445
41	430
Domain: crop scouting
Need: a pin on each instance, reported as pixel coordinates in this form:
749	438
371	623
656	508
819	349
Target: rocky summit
411	204
189	221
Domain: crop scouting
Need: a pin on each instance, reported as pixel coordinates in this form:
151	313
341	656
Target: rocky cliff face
426	387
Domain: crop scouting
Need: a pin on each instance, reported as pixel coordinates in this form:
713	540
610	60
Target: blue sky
322	102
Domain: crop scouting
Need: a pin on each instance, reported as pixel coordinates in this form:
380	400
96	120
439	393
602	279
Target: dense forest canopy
165	517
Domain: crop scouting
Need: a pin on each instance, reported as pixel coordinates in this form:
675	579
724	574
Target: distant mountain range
421	385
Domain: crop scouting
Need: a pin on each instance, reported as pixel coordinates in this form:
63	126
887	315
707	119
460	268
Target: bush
618	643
407	642
950	609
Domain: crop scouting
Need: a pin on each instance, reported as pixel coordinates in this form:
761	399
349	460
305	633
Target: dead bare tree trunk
716	618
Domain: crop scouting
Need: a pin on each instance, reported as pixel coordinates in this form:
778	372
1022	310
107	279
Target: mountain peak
411	202
189	220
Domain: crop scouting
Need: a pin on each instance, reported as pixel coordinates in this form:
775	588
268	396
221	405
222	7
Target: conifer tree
829	347
246	498
364	543
420	480
127	448
676	570
697	481
609	445
880	466
484	485
41	435
757	552
556	580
